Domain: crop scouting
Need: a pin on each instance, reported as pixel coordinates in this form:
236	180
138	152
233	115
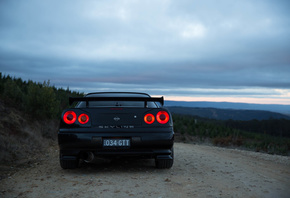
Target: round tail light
162	117
69	117
149	118
83	118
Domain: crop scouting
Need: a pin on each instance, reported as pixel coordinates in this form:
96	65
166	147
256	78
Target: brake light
162	117
149	118
69	117
83	118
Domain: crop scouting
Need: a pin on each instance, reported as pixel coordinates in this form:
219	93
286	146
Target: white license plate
116	142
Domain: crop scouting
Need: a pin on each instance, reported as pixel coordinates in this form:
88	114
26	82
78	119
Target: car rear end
115	125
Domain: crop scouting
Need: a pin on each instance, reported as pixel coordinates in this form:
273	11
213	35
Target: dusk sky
193	50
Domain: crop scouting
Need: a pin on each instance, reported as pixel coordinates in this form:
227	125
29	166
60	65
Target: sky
187	50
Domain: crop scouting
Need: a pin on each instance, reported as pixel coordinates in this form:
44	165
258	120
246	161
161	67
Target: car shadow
123	165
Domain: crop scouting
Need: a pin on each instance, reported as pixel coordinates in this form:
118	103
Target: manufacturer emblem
117	118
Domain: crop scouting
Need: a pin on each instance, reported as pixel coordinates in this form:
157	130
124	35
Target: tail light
149	118
162	117
83	118
69	117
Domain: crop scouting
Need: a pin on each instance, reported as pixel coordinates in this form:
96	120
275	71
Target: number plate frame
116	143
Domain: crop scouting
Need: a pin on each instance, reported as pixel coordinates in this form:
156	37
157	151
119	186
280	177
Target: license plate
116	142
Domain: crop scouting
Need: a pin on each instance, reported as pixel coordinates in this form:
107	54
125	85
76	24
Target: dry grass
21	138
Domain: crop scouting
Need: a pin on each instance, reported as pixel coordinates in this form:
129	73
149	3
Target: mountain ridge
278	108
227	114
229	111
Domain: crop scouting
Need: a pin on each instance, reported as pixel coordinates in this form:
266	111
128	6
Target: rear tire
165	163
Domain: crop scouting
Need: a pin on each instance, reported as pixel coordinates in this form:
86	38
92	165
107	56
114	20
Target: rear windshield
117	104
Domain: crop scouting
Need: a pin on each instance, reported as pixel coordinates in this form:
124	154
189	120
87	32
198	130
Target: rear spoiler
87	99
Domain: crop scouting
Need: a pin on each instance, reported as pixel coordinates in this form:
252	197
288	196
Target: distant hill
284	109
227	114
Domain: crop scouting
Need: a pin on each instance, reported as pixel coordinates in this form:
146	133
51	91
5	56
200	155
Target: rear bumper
148	144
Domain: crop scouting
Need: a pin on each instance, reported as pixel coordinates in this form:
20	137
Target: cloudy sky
209	50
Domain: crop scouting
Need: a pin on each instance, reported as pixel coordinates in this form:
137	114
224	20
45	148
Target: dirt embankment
23	137
198	171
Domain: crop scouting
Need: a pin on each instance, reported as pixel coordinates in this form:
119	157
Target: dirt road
198	171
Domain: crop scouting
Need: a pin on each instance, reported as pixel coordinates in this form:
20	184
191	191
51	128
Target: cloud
194	31
175	47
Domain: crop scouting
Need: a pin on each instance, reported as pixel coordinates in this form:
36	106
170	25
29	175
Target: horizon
258	101
225	100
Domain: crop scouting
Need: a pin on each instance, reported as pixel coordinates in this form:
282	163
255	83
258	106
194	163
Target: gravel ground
198	171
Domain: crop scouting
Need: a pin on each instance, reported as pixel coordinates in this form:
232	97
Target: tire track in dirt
198	171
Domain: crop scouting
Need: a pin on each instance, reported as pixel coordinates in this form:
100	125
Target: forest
43	101
39	100
231	133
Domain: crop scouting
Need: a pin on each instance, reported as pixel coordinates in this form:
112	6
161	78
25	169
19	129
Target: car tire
165	163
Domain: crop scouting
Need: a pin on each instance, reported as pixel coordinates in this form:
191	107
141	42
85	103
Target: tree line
39	100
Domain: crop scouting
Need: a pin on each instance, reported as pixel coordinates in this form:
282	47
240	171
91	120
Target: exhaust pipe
89	157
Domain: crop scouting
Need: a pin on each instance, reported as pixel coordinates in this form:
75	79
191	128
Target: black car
116	124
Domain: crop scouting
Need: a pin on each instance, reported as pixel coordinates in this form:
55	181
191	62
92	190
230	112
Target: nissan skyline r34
113	125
